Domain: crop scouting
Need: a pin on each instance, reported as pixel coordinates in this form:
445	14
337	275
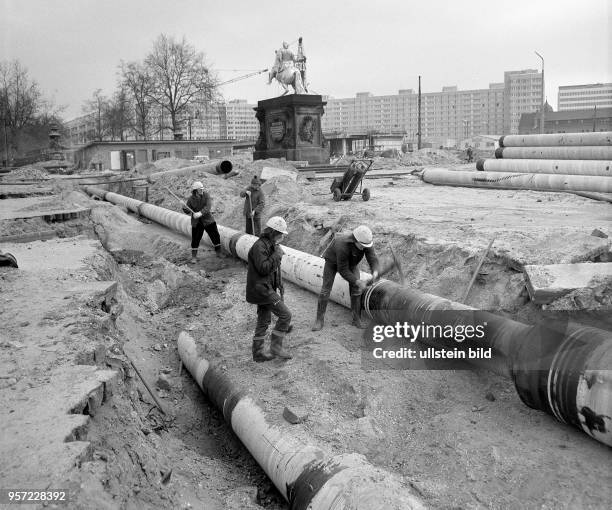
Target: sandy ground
460	439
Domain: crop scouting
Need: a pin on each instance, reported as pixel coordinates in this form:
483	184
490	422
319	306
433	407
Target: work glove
361	286
197	215
252	214
248	192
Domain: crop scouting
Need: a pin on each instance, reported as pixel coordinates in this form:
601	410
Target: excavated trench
461	438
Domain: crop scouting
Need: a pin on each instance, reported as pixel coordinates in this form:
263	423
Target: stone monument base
290	128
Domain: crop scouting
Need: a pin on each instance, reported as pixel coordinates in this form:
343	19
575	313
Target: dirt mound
29	172
172	163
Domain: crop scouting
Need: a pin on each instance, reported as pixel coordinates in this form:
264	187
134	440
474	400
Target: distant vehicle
201	157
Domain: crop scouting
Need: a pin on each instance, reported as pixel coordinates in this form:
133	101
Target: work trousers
198	231
249	225
329	274
264	318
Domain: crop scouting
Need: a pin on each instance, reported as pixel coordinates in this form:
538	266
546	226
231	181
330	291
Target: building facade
582	97
446	117
568	121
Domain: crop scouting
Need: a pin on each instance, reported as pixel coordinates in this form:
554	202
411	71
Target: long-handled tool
180	200
251	209
482	257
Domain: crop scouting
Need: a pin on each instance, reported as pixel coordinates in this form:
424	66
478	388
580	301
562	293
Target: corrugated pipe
222	167
547	166
557	139
582	152
306	476
510	180
572	379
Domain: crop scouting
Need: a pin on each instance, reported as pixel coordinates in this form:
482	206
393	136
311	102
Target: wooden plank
549	282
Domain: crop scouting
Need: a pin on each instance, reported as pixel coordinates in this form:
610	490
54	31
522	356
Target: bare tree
180	77
98	106
22	108
138	83
117	116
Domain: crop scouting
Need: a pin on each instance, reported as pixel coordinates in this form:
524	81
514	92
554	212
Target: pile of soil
29	172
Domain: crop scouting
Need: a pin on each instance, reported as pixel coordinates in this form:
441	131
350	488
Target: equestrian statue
289	69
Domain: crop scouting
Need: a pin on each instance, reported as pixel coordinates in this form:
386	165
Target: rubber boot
219	253
259	354
321	307
356	311
276	345
194	256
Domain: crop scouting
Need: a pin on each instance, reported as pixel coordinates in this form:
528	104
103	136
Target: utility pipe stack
566	372
599	168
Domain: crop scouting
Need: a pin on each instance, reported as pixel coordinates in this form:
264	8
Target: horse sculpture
286	73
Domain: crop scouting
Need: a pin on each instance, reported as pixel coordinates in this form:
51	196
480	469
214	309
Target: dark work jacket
200	204
346	256
263	274
257	200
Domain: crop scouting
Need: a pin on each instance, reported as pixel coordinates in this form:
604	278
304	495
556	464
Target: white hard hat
197	185
278	224
363	235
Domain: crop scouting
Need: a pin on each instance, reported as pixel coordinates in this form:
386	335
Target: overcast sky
72	47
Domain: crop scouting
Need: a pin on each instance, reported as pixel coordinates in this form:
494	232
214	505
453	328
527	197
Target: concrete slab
36	207
550	282
68	253
44	428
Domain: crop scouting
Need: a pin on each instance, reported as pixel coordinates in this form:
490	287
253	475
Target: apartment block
446	116
582	97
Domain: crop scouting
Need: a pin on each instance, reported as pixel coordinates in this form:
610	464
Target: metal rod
482	257
146	385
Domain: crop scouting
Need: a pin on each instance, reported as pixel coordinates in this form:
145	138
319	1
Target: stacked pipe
572	379
550	162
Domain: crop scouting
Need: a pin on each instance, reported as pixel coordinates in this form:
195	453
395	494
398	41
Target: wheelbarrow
343	188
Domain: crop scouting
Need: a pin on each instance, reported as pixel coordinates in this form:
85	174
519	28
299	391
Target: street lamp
543	96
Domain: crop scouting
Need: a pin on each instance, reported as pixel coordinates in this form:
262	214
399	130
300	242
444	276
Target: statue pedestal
290	128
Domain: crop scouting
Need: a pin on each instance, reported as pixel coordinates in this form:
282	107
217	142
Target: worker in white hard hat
265	289
343	256
199	205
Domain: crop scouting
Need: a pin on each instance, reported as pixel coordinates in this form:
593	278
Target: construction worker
343	256
469	152
198	205
264	288
254	203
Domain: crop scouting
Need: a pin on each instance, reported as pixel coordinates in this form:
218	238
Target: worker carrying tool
265	289
199	205
343	256
254	203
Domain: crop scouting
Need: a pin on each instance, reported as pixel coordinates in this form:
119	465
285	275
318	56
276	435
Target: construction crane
238	78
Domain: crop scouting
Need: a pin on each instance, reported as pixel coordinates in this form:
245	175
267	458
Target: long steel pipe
304	474
547	166
577	152
557	139
510	180
222	167
566	373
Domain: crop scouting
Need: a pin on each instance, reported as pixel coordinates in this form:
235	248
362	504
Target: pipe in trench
565	372
220	168
547	166
577	152
511	180
306	476
557	139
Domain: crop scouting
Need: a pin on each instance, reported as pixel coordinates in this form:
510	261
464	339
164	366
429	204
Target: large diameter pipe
222	167
510	180
557	139
572	379
562	369
581	152
306	476
547	166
